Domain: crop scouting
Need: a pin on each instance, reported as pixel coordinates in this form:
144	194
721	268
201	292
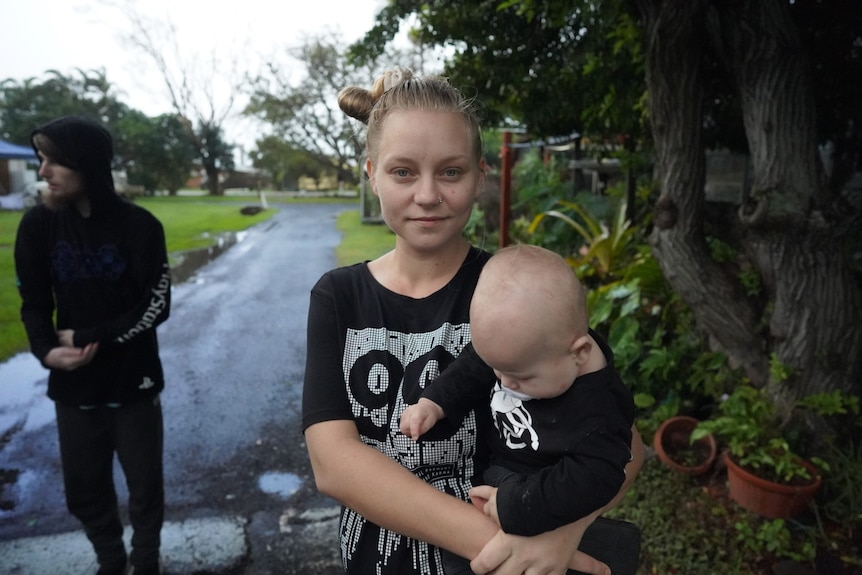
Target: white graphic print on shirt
374	360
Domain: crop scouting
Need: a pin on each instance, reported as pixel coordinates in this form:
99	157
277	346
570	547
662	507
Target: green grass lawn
12	337
190	222
361	242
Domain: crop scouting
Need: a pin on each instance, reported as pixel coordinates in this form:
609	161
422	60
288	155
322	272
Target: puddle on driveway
23	401
278	483
192	260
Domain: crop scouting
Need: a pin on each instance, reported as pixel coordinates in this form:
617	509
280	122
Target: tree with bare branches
201	90
304	113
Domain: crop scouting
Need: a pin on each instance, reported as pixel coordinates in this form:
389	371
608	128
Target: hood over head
88	148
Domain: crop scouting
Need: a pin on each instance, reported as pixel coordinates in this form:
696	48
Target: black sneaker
156	569
122	570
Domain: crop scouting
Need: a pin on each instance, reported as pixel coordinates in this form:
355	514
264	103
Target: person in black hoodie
100	263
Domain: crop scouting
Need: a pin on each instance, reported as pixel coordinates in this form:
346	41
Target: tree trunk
674	73
816	322
815	314
213	185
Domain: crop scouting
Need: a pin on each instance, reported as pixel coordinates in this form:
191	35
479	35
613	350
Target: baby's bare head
530	289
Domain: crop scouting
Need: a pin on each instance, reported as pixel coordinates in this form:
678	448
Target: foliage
537	183
305	114
690	527
156	152
285	162
759	440
842	498
479	233
527	58
214	152
772	538
657	349
196	87
603	246
750	426
29	103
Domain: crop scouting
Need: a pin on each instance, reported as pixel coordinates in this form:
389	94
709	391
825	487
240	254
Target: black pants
89	437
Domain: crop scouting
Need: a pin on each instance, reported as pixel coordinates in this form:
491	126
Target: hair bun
357	102
395	77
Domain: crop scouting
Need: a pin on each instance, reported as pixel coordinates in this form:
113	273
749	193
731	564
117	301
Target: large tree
286	163
304	113
155	152
738	73
793	228
26	104
194	84
554	67
302	110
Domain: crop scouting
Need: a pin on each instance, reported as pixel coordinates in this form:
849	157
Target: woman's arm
384	492
632	468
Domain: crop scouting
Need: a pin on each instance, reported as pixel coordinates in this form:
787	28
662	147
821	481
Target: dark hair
50	149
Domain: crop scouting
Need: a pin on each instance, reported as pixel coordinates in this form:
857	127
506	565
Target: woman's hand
547	554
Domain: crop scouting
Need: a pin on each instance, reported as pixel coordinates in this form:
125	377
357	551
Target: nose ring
439	199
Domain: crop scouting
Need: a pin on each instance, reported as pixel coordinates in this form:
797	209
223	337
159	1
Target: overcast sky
39	35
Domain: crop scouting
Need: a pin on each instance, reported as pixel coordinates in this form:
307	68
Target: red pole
505	187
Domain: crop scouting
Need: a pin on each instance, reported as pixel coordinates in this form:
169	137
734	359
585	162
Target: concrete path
192	546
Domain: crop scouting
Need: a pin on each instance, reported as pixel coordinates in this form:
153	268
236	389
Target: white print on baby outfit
512	420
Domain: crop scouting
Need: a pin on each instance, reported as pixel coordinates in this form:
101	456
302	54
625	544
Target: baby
562	415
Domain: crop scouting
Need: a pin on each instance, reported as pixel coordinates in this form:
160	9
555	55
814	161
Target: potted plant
675	447
764	475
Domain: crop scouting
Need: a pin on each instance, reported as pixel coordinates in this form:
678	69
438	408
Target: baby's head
529	320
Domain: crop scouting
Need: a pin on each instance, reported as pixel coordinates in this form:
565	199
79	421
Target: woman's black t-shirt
371	352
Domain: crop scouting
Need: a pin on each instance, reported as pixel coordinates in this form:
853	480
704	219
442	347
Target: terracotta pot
673	438
767	498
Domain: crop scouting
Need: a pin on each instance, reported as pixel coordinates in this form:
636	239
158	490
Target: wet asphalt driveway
233	351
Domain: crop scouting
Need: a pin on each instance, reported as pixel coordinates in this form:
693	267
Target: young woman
380	330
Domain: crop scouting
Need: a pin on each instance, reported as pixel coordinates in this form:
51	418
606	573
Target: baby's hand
485	498
418	419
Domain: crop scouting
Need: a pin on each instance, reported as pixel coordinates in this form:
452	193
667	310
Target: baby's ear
581	348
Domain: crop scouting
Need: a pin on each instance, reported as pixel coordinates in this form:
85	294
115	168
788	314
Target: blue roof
12	152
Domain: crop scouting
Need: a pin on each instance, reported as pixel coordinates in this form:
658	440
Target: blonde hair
399	89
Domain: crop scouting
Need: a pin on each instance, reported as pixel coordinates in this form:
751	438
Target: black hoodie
108	274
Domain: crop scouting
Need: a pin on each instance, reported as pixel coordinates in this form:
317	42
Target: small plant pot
673	446
768	498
